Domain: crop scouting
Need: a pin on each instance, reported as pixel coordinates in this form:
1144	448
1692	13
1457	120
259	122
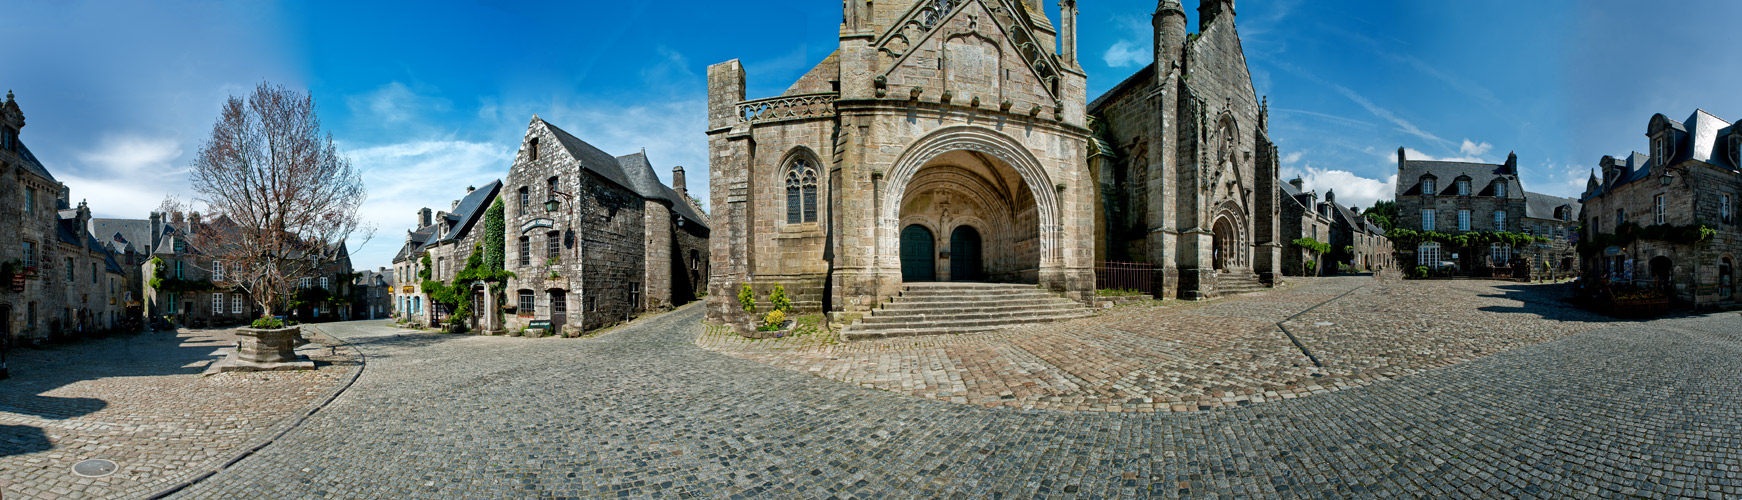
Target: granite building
372	294
594	239
1197	177
56	281
1668	220
942	141
447	239
1458	197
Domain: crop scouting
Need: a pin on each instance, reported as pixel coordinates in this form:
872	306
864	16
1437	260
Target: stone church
947	141
1191	185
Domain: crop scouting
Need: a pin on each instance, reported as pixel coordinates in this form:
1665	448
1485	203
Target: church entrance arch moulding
1231	247
976	177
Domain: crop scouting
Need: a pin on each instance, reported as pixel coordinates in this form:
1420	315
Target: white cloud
1352	190
1136	48
1418	155
1474	149
1291	158
126	154
1389	116
394	103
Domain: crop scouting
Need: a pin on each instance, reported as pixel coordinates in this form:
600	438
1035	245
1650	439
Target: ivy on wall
1405	239
160	280
1628	233
456	296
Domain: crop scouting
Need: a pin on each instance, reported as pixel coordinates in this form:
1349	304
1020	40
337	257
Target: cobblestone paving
1639	409
1189	357
139	401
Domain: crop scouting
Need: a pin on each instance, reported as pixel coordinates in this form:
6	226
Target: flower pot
268	346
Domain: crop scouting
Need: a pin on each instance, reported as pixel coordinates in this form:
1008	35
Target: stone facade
1197	172
594	239
178	256
1458	197
941	141
1355	240
1557	219
449	239
1692	177
61	282
372	294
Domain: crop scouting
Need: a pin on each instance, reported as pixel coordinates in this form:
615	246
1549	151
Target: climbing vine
455	295
160	280
1314	245
1629	232
494	238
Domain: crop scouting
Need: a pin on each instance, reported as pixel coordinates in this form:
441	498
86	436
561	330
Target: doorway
559	310
1222	244
965	254
918	256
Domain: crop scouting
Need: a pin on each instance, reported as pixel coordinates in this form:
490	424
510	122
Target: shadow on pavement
35	372
1550	302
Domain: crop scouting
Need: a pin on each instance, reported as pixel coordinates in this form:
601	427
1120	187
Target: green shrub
268	323
773	320
1312	267
778	298
747	298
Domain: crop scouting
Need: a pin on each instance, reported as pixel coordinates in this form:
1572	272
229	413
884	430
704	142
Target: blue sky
429	97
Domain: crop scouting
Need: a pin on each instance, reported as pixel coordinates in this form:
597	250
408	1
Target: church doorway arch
965	254
1224	251
917	253
975	177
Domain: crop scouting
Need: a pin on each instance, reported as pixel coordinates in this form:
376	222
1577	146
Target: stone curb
277	430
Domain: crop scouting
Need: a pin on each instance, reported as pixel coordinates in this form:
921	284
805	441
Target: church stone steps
954	308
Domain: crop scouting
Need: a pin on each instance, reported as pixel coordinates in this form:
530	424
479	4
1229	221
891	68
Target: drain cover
95	467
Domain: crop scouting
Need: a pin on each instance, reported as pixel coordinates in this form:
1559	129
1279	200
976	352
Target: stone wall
1692	197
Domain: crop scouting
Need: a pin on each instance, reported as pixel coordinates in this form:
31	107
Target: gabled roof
471	209
1636	167
1481	176
1541	206
120	234
1142	77
1289	191
591	158
640	173
420	239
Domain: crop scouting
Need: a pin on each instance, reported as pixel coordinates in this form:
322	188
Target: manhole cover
95	467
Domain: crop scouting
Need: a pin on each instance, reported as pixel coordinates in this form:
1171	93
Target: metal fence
1125	276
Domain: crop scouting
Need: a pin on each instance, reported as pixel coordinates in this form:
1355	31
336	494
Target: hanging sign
535	224
1612	251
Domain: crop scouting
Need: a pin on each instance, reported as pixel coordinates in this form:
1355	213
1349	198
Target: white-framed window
1499	220
1724	208
801	193
323	282
29	200
1463	187
1657	209
1427	220
1500	253
303	283
1428	254
1463	220
1660	150
29	254
217	303
1427	186
235	303
1500	189
1620	218
217	270
69	269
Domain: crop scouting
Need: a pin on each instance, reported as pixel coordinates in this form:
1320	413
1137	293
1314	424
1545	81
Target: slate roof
1141	77
640	173
1289	191
370	278
120	234
1541	206
1635	168
591	158
471	209
1481	176
31	163
419	240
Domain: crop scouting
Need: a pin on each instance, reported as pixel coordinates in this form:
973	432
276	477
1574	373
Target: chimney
1512	163
677	181
193	222
1330	196
156	231
1299	185
64	200
456	205
470	189
84	215
178	218
423	218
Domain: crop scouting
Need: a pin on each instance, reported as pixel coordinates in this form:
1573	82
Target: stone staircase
947	308
1236	283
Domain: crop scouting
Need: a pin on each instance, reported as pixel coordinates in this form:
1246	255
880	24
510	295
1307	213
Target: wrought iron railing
1125	276
792	107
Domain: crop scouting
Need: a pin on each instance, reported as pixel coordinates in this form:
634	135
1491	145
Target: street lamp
550	204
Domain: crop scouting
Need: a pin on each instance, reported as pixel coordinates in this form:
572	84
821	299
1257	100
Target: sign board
1612	251
408	290
535	224
545	324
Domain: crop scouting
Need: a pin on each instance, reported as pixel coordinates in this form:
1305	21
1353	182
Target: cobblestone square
140	401
1472	389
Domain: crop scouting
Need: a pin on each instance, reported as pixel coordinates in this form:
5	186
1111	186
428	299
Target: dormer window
1427	186
1463	187
1500	189
532	149
1736	150
1660	148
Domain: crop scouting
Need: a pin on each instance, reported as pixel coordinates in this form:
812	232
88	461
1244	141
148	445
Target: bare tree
281	198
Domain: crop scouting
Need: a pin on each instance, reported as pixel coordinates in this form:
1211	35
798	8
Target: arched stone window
801	192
